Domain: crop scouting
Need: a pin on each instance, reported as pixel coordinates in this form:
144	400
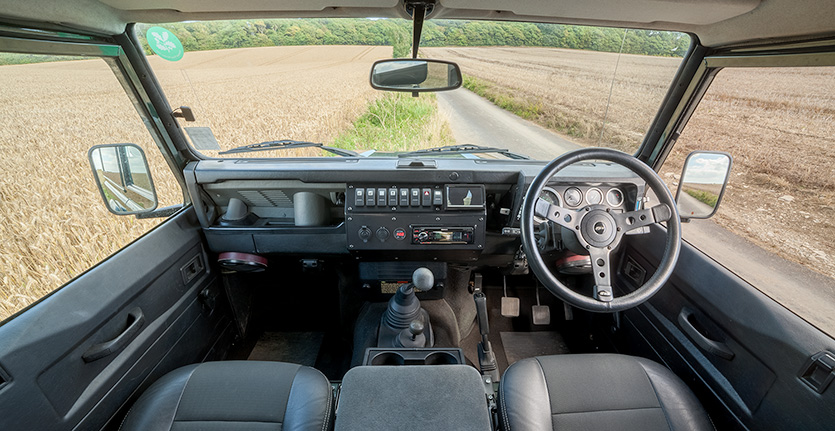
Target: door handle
97	351
718	348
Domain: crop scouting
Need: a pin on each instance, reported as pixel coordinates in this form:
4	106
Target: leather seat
596	391
235	395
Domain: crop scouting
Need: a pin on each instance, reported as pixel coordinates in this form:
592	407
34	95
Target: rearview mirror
702	184
415	75
123	177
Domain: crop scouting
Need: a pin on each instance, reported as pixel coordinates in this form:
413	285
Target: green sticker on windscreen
164	43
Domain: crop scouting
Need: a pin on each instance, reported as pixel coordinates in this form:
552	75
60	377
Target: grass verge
398	122
704	197
520	107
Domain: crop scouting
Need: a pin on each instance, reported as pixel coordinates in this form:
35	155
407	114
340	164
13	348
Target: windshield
531	90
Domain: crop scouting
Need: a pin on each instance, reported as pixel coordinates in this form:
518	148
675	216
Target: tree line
208	35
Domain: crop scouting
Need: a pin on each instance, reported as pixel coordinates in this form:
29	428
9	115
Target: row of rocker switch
394	196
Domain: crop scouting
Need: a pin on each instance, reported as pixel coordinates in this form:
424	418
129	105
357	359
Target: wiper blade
464	149
288	143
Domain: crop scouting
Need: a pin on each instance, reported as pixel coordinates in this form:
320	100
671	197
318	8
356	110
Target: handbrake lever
486	356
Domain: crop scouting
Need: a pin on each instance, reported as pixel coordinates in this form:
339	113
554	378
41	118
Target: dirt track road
475	120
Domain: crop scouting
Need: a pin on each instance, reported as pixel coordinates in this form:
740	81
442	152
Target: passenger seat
235	395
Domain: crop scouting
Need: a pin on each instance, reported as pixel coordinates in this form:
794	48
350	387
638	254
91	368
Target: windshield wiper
288	143
464	149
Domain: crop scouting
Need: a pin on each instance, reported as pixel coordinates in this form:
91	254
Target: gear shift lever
397	326
423	279
412	336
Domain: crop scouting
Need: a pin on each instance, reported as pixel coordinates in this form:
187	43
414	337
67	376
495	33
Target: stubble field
568	90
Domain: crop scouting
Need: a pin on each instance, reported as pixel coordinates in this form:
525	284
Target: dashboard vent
266	198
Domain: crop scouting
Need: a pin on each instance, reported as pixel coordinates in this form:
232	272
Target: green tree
400	43
197	36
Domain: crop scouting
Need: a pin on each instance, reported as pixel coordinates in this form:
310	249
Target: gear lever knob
416	328
423	279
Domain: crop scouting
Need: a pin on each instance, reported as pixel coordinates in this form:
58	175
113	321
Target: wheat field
53	224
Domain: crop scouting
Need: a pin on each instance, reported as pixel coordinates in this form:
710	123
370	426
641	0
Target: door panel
50	385
751	374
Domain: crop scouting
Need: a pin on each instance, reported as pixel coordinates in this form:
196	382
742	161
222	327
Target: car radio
415	217
442	235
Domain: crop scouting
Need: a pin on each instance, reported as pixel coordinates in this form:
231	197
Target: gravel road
475	120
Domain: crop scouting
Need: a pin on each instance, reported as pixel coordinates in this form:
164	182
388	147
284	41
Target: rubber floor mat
521	345
293	347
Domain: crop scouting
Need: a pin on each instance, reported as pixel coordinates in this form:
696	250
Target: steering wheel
600	231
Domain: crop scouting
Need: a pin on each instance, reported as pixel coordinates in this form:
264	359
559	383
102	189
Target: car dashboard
450	210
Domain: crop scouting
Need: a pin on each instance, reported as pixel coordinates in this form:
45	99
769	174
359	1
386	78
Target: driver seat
596	391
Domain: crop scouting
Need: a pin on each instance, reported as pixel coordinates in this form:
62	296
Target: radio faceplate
429	235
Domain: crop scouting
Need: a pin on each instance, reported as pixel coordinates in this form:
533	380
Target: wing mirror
415	75
123	177
702	184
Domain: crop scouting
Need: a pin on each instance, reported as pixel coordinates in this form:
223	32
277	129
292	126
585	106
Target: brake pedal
541	313
510	305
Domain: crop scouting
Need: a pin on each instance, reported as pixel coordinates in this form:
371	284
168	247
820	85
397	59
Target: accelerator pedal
541	313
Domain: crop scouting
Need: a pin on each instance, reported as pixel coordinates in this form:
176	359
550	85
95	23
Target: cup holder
441	358
388	358
419	356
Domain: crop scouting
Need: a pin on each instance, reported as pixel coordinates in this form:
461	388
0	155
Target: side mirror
123	177
702	183
415	75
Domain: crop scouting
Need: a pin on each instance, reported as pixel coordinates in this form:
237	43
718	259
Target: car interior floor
324	318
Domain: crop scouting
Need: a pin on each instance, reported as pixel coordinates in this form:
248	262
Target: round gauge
614	197
594	196
573	196
552	197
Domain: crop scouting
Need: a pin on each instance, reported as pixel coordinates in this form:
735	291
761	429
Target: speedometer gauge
573	196
614	197
594	196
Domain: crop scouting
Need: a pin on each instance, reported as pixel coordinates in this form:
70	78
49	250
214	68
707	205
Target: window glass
138	172
775	227
53	223
250	81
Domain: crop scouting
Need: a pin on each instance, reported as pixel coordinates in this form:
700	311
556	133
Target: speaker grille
266	198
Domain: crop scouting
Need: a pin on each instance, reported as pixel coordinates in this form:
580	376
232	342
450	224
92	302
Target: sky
706	168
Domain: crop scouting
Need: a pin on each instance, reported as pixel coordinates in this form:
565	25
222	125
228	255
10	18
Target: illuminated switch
381	197
415	197
369	197
427	197
393	196
360	198
404	197
438	197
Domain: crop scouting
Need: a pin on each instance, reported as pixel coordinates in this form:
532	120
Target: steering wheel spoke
562	216
645	217
600	265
